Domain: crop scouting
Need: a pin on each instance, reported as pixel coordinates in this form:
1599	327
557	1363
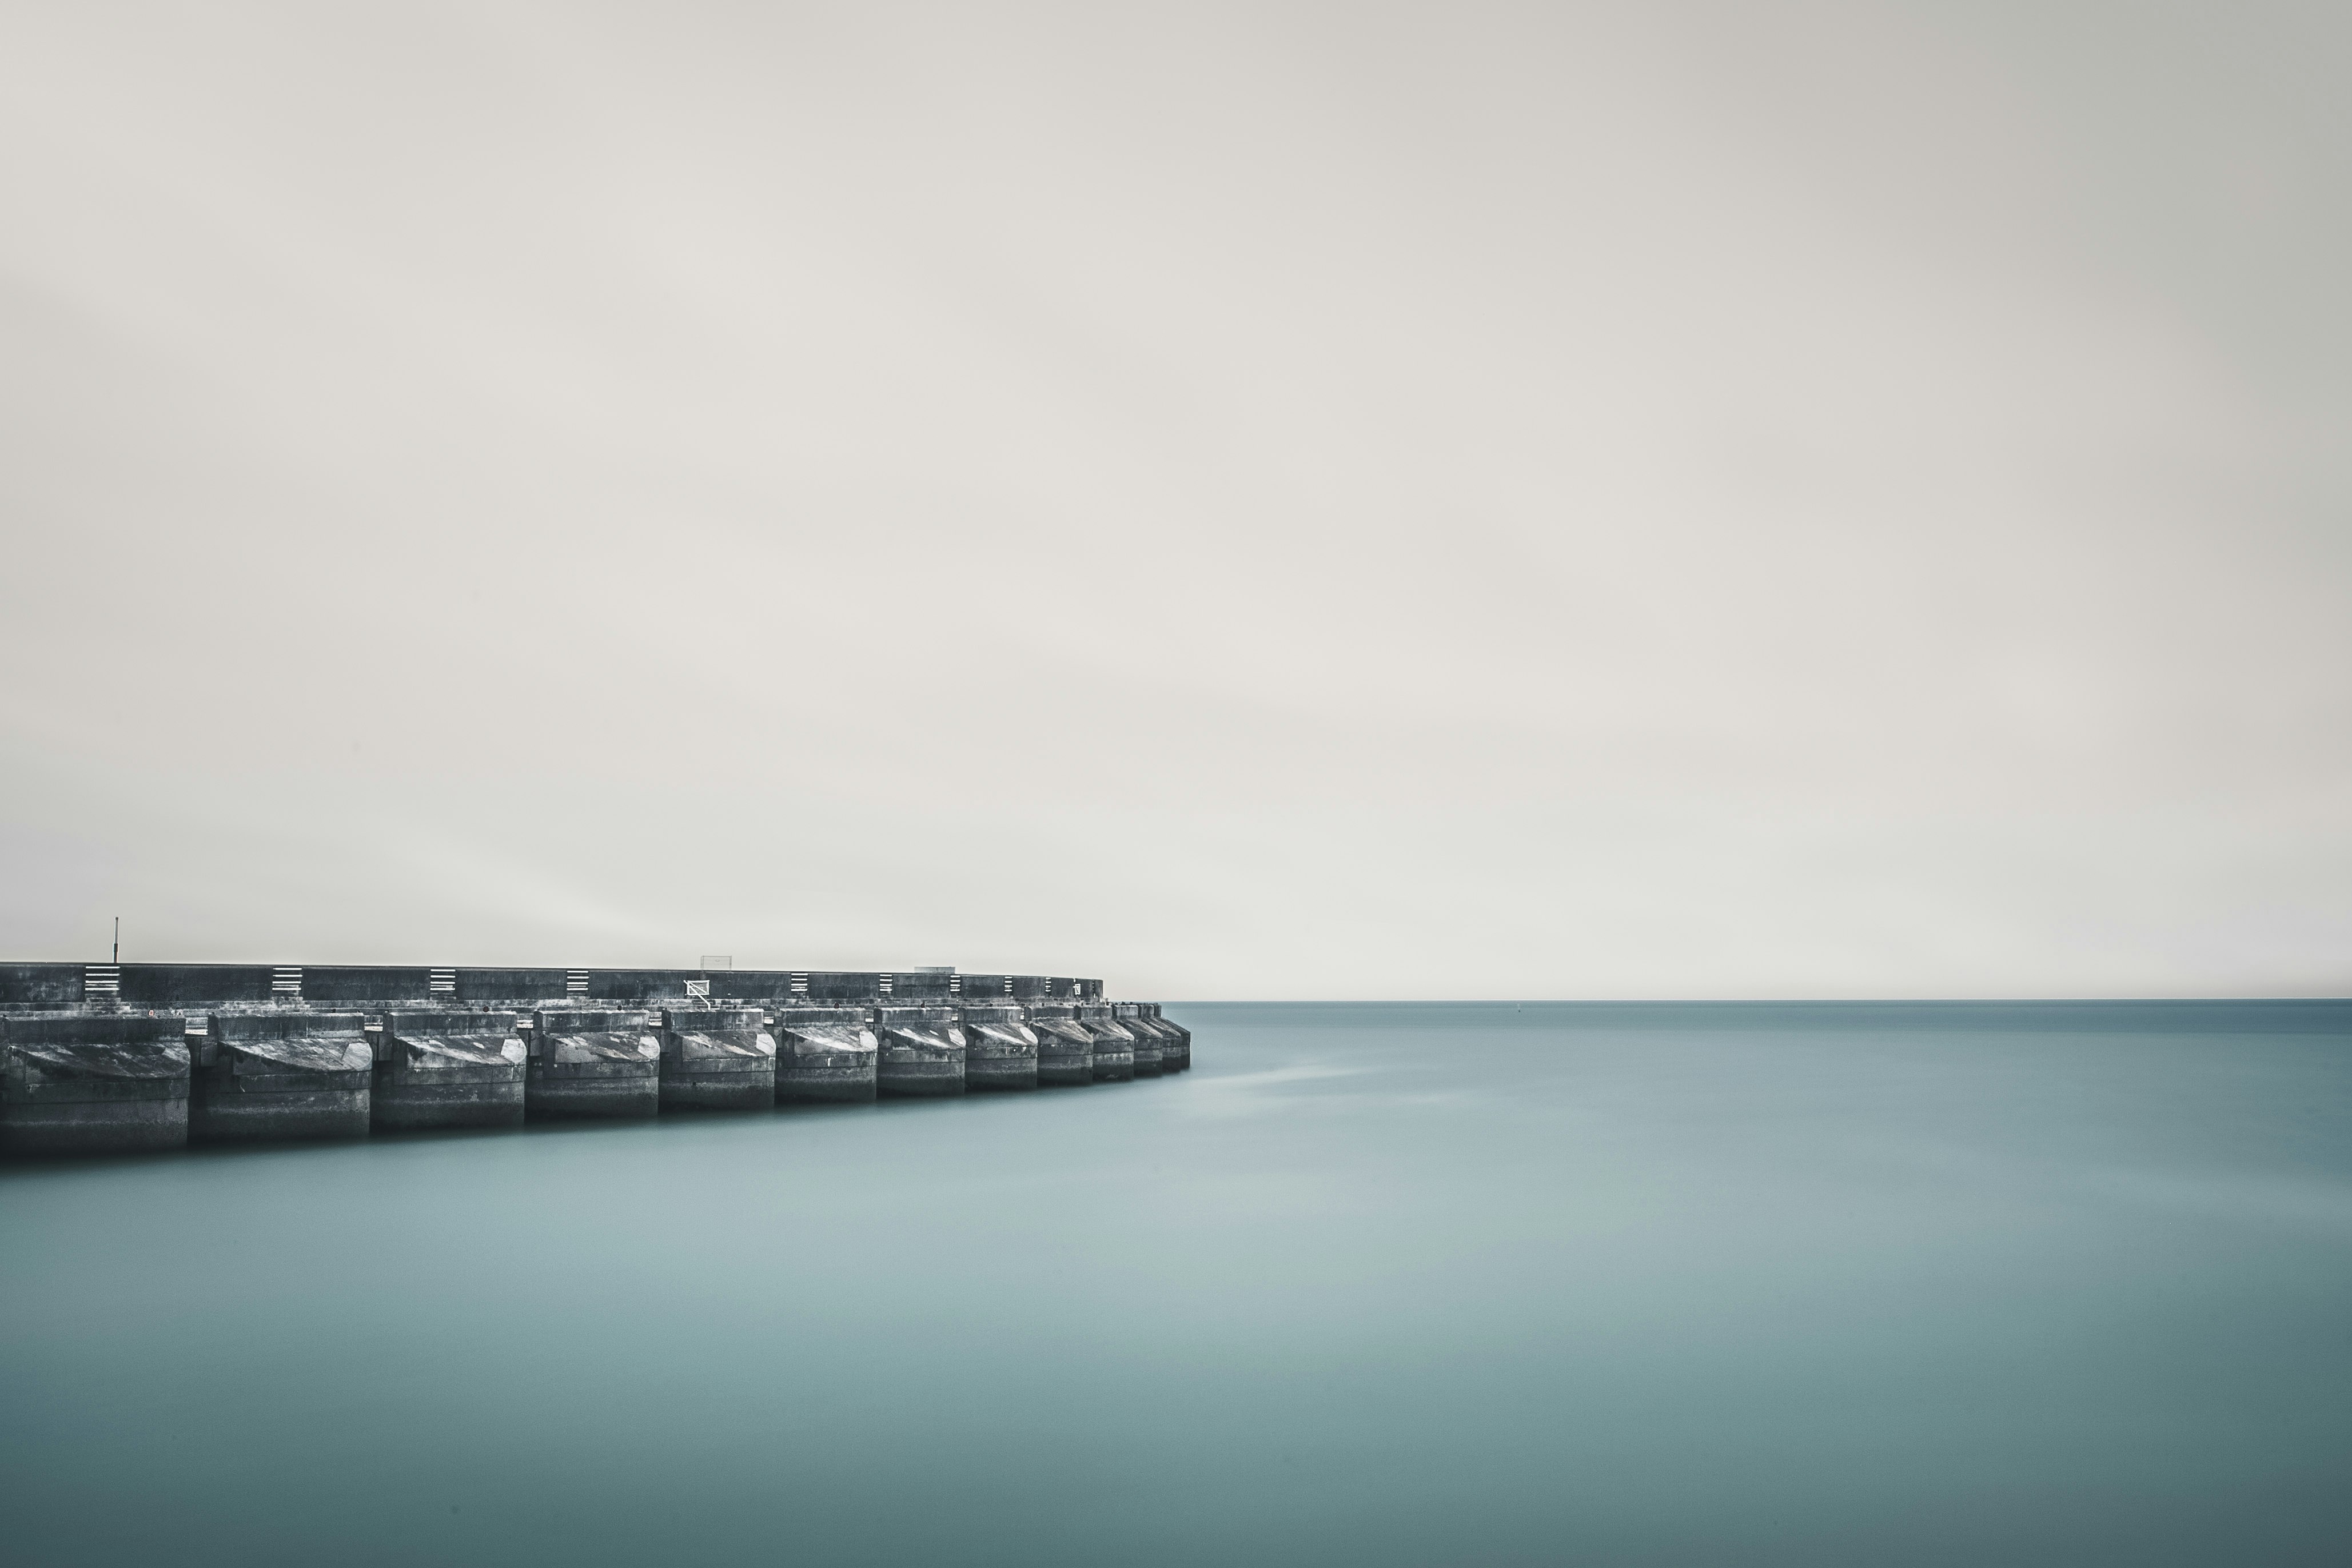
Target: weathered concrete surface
279	1065
508	990
1065	1047
1180	1053
1000	1049
283	1073
824	1053
179	987
750	988
584	1062
925	987
972	990
921	1049
1151	1043
45	987
369	986
92	1082
1114	1047
654	987
447	1069
717	1059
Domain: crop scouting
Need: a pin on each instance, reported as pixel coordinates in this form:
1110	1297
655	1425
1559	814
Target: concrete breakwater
103	1058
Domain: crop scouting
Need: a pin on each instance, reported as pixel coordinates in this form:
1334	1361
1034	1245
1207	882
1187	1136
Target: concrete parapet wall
43	987
934	986
37	987
92	1083
373	985
749	985
1054	988
522	989
977	988
636	984
836	985
196	984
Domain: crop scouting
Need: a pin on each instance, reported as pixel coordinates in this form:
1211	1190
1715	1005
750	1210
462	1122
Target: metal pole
118	939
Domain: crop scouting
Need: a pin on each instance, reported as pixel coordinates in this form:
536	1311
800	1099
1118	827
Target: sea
1407	1283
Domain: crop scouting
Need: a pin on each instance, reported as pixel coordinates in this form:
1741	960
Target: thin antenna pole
118	938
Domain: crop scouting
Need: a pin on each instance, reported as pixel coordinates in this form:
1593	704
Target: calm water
1401	1284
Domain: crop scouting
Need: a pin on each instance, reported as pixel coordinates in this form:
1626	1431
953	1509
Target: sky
1258	500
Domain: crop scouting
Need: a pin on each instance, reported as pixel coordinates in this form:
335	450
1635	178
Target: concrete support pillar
284	1073
1114	1047
1065	1047
717	1059
594	1063
447	1069
1178	1055
920	1051
92	1082
1151	1045
1000	1049
824	1053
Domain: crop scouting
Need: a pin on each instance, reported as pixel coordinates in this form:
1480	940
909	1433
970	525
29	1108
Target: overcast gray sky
1256	500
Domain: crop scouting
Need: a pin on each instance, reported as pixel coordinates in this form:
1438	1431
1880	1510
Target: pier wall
281	1074
1001	1047
1114	1047
584	1062
107	1058
441	1069
1065	1047
92	1083
717	1059
921	1047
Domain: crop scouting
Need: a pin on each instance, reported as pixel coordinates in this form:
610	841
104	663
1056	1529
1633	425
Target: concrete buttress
717	1059
824	1053
282	1074
447	1069
591	1062
92	1082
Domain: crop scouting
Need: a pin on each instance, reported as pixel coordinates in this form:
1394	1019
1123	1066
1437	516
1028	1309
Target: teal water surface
1374	1284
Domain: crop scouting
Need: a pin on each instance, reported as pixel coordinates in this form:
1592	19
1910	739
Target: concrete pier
282	1074
919	1039
1153	1043
825	1046
1114	1047
1065	1047
591	1063
717	1059
94	1057
1180	1037
920	1051
447	1069
1000	1049
87	1083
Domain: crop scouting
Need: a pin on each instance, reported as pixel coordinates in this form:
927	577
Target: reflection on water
1399	1284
